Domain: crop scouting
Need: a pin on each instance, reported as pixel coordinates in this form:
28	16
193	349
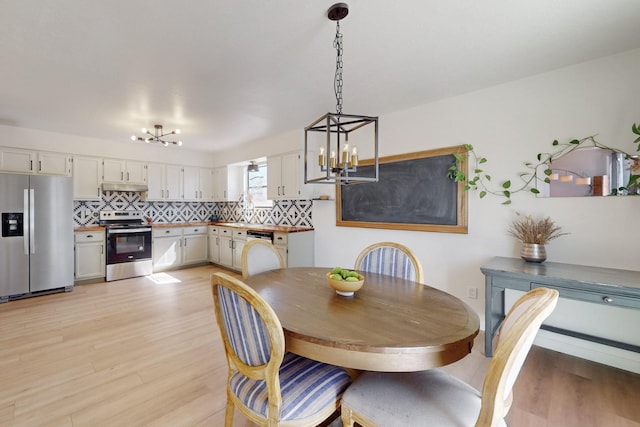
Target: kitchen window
257	186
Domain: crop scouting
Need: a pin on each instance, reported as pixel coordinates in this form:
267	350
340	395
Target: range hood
124	187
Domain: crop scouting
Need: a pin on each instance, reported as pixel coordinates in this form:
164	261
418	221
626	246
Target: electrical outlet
472	293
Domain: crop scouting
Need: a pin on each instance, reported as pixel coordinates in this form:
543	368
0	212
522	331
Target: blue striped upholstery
307	387
390	261
245	328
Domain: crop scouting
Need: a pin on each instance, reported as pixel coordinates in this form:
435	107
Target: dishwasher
260	235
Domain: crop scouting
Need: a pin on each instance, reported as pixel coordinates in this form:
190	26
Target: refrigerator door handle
32	221
25	224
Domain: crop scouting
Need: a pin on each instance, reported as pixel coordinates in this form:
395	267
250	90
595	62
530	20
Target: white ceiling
229	72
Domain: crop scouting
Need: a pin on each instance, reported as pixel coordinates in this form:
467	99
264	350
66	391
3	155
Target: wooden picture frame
414	192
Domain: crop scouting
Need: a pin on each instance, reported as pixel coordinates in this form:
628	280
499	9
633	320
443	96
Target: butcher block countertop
263	227
243	226
90	228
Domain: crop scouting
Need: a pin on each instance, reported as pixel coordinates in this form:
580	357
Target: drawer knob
607	300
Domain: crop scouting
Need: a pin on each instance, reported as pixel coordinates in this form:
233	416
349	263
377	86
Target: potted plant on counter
534	234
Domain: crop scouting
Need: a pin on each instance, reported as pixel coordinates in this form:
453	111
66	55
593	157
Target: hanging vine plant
536	172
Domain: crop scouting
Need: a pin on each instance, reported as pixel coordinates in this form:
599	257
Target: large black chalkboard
413	192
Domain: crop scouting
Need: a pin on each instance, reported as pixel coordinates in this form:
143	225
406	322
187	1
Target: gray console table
597	285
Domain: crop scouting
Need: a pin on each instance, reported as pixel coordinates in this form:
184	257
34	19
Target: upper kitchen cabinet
206	181
124	171
227	183
285	177
198	184
18	160
164	182
191	183
54	163
87	178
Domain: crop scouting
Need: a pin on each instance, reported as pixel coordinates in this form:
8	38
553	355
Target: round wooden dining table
389	325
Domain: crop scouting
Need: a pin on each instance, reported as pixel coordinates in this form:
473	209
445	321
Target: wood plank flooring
141	353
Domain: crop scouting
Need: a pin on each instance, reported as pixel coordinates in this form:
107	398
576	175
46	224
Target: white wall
509	124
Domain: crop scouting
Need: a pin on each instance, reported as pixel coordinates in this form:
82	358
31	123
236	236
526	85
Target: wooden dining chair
392	259
269	386
259	256
436	398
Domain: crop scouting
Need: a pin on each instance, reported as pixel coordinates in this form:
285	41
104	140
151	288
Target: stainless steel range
128	244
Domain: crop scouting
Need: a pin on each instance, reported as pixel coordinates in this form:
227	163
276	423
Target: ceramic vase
533	252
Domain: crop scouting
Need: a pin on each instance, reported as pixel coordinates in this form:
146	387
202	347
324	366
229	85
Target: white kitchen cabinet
239	240
214	244
197	184
191	186
119	171
175	247
297	249
167	248
205	181
18	160
285	179
226	247
89	255
195	245
227	183
53	164
164	182
232	241
87	178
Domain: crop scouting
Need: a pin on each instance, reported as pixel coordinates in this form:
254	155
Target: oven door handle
129	230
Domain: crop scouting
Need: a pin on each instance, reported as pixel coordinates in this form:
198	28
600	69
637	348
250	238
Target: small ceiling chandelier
328	137
157	136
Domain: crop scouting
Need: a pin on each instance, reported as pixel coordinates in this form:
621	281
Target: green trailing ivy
536	172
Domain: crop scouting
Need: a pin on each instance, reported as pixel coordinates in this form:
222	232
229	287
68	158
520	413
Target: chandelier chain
337	81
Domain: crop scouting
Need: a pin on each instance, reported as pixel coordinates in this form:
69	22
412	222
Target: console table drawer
594	297
504	282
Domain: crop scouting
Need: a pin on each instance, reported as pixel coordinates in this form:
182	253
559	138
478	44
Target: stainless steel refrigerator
36	244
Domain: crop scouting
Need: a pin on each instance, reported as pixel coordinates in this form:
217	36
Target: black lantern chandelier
328	137
157	136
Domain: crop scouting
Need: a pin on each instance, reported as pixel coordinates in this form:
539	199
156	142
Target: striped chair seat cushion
390	261
307	387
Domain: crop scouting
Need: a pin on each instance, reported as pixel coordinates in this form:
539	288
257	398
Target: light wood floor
135	352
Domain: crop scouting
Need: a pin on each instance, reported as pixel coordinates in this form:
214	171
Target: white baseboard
612	356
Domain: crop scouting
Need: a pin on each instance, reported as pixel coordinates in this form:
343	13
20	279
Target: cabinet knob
167	231
607	300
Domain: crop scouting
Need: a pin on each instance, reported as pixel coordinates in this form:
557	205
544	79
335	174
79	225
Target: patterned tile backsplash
284	212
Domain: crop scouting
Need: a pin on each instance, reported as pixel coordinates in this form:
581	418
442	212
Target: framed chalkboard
413	192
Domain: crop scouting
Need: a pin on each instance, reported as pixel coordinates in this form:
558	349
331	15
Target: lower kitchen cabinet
195	245
226	245
89	254
232	241
214	244
179	246
167	248
296	248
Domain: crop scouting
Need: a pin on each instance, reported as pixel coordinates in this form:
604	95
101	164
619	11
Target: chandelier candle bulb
345	154
354	156
321	158
332	160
